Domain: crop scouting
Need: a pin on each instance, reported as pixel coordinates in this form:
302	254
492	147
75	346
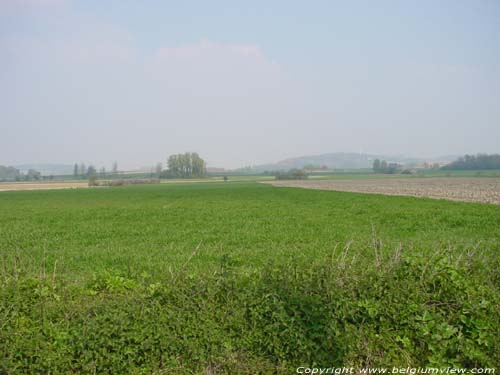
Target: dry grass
466	189
41	185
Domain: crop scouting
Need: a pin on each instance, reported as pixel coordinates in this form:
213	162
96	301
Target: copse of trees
382	166
13	174
479	161
82	171
9	173
292	174
186	165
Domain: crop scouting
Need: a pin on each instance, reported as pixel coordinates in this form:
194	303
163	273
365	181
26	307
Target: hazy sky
246	82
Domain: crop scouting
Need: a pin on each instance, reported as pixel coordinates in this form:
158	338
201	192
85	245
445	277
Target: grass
241	277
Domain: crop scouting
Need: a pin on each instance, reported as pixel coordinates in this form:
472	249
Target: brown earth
466	189
41	185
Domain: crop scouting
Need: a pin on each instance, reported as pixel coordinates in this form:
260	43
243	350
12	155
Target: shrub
388	309
408	171
93	180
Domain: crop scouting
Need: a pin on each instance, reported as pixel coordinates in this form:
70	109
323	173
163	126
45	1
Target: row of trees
382	166
479	161
186	165
82	171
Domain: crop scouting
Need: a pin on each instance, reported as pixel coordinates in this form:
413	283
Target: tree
376	165
115	167
383	166
186	167
198	167
173	165
159	168
83	170
102	172
91	171
75	170
33	175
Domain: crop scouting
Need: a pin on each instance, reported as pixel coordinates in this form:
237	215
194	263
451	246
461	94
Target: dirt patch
41	185
484	190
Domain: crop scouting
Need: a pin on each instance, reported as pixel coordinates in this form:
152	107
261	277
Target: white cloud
216	68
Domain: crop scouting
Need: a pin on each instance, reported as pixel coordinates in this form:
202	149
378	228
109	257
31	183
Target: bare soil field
41	185
484	190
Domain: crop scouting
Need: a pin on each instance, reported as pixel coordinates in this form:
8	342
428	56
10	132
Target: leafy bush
380	310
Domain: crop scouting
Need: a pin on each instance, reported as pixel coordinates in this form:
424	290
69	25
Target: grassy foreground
244	278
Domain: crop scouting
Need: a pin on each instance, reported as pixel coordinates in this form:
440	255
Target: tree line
479	161
82	171
186	165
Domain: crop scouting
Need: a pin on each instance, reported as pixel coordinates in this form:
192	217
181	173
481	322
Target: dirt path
466	189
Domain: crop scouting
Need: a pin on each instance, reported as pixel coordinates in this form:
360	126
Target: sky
246	82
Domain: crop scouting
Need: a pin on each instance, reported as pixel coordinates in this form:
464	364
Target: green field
244	278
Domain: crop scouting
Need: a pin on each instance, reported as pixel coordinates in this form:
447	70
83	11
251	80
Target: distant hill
346	160
47	169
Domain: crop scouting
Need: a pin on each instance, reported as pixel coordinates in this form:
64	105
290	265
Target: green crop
244	278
